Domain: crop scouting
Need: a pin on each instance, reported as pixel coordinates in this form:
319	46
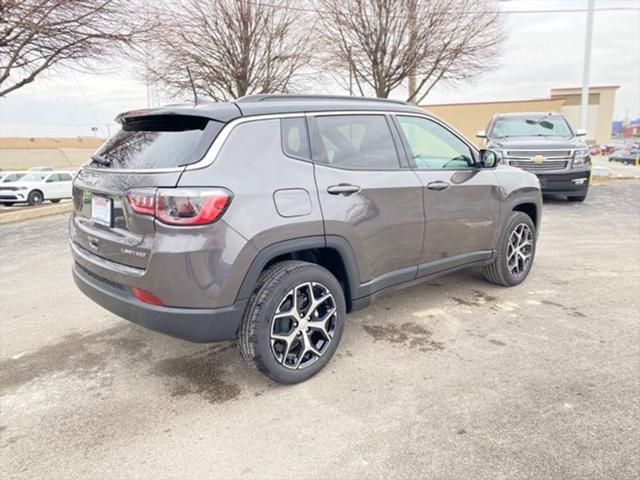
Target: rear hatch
149	152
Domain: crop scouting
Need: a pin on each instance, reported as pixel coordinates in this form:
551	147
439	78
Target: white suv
36	187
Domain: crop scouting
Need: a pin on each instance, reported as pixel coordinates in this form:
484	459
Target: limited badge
538	159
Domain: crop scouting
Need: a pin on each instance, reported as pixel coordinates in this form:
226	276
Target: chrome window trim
220	140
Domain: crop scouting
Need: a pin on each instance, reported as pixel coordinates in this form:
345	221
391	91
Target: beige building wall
468	118
600	110
22	153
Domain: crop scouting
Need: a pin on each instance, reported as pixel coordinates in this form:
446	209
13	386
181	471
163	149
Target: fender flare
334	242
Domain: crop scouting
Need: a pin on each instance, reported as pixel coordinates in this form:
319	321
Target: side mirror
581	132
489	158
481	134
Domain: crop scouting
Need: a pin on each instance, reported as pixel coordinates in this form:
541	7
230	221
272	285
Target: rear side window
356	142
158	141
295	141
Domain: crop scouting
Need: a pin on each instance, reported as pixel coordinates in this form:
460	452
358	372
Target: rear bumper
192	324
575	182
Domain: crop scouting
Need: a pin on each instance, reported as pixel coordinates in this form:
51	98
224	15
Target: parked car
543	144
36	187
271	218
42	169
629	156
11	176
601	150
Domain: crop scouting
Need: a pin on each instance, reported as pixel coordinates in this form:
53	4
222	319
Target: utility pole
584	101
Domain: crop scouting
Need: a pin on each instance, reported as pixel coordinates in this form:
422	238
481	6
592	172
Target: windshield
160	141
34	177
534	126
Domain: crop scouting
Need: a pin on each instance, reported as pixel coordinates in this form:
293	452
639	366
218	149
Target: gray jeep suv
270	218
544	144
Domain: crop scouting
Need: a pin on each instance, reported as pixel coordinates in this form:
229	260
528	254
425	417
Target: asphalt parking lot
452	379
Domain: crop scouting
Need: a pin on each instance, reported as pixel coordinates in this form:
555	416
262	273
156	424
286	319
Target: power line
55	97
470	12
95	117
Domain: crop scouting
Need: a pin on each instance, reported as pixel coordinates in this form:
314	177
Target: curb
31	213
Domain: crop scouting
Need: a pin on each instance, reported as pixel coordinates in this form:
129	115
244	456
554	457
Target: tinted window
65	177
53	178
295	141
433	146
161	141
357	141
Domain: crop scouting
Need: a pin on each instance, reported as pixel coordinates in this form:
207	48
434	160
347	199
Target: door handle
438	186
343	189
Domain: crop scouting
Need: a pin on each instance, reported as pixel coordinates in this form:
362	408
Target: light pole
584	100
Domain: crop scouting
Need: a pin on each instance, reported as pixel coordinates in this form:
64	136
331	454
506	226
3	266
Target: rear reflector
181	206
146	296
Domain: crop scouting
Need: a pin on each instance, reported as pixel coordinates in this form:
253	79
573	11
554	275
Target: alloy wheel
520	249
303	326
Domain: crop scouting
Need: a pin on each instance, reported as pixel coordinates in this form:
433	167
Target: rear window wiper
101	160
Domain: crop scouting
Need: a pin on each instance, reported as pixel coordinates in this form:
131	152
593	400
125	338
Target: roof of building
531	100
591	88
274	104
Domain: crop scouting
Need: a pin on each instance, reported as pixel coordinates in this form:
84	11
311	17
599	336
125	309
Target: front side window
295	141
356	142
433	146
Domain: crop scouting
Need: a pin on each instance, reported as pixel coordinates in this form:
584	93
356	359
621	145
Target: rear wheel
35	198
515	252
293	322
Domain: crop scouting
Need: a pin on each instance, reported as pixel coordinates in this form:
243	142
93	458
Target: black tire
7	204
274	287
35	198
577	198
55	200
498	271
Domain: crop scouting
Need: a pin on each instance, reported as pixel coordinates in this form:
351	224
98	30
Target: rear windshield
160	141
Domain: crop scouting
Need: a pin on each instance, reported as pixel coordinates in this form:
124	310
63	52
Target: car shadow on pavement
125	351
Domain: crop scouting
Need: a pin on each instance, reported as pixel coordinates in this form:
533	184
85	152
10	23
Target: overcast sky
542	51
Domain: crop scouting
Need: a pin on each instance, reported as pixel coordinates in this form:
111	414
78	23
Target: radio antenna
193	86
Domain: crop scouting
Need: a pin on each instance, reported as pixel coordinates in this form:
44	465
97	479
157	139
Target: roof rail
285	97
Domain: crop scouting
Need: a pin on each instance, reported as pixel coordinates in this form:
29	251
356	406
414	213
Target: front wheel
515	252
35	198
293	322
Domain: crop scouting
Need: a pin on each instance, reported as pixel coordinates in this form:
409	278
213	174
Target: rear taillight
142	201
181	206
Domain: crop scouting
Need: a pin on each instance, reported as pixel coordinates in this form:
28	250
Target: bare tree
384	42
36	35
233	47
